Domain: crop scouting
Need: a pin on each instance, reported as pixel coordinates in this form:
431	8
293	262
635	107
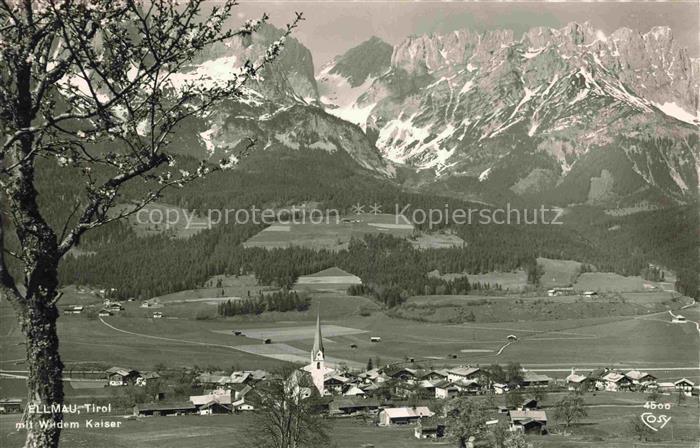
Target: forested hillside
146	267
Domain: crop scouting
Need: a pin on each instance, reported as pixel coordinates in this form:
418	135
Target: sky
333	27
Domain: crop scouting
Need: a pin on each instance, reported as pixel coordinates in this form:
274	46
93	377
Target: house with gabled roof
216	402
334	383
446	389
535	380
353	405
430	428
10	405
403	416
685	386
161	409
146	377
576	381
616	381
434	375
404	374
528	421
463	373
640	380
353	391
240	377
119	376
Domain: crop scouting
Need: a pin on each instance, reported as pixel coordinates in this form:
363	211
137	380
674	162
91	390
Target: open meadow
159	218
133	338
332	233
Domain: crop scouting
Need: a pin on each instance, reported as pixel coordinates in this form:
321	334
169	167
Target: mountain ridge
459	102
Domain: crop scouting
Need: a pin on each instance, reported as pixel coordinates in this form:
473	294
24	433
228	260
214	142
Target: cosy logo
654	422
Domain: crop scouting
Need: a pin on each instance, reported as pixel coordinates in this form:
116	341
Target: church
317	368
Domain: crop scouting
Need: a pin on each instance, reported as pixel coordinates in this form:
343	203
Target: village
395	395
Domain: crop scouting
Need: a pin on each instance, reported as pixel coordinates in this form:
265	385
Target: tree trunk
43	415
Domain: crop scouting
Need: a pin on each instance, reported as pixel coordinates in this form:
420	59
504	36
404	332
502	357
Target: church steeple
317	369
317	352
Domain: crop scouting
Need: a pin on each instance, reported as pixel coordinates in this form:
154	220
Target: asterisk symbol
358	208
375	208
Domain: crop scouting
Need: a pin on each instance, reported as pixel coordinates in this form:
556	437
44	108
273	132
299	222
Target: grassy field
333	233
648	340
219	431
558	272
157	218
607	424
437	240
465	308
607	281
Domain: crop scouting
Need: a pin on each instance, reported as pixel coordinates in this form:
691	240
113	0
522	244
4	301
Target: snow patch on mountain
485	174
673	110
341	99
354	114
209	73
206	137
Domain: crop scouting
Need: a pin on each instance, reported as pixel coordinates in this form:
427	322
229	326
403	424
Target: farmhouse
405	374
684	385
241	377
430	428
242	399
554	292
115	307
463	373
74	309
10	406
446	389
354	391
435	375
532	379
118	376
500	388
528	421
217	402
615	381
575	381
335	383
160	409
213	380
353	405
214	407
146	377
529	403
403	416
222	396
373	376
330	276
104	313
679	319
640	379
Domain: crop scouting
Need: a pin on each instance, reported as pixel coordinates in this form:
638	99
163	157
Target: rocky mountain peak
466	102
